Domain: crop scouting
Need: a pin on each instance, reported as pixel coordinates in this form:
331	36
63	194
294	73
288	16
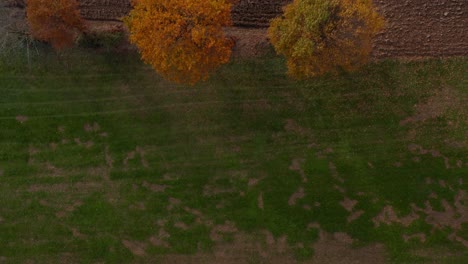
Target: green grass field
103	161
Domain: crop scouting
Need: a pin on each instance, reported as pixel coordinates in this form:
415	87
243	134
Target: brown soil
414	29
421	28
249	42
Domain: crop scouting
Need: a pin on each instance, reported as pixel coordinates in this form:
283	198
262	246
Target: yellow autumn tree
321	36
183	40
55	21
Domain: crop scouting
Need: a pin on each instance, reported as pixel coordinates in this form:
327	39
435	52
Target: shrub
57	22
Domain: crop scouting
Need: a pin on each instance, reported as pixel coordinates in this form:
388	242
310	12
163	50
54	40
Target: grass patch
97	149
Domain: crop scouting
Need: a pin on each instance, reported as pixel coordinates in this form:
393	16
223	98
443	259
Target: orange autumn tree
183	40
57	22
321	36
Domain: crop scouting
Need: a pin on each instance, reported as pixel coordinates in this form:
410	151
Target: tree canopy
182	40
320	36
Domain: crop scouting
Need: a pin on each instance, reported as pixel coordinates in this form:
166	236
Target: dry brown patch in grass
83	187
88	144
173	202
54	188
154	187
69	208
22	119
436	106
53	170
53	146
210	190
76	233
142	153
132	155
293	127
388	216
340	189
454	216
158	241
137	248
336	249
108	157
419	150
348	204
94	127
244	249
138	206
264	248
455	144
252	182
218	231
112	190
299	194
181	225
296	165
439	255
32	151
260	202
355	216
419	236
195	212
334	172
